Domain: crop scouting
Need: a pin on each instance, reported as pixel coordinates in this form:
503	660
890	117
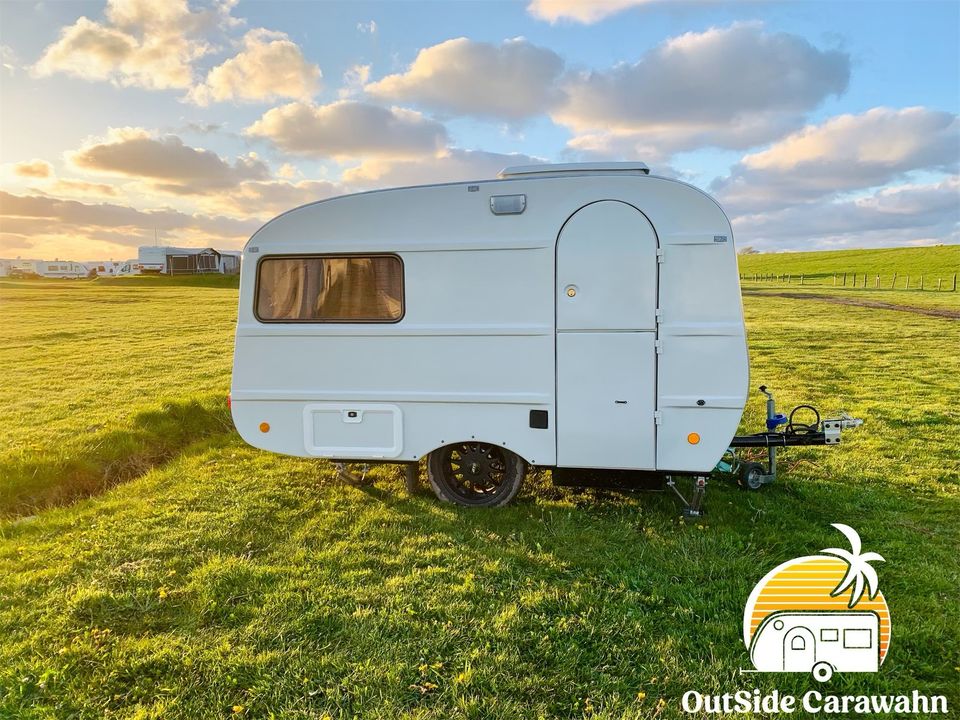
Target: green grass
219	577
932	262
104	379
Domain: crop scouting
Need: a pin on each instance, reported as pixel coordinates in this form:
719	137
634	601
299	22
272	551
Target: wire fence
866	281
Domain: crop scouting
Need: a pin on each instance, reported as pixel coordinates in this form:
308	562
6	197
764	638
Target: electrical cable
802	428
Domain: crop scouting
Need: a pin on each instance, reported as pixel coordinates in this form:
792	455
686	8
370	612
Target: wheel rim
474	472
753	479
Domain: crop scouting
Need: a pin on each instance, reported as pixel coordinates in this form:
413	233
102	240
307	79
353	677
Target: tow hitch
794	433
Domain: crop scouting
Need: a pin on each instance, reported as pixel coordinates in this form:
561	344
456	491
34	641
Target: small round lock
571	290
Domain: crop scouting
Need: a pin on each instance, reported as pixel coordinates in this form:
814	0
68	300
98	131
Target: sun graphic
838	581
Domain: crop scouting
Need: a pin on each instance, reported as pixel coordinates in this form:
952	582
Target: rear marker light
693	438
264	427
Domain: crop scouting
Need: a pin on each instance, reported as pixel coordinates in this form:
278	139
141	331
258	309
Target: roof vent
589	168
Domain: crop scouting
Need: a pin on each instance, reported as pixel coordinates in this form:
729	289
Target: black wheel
751	476
475	474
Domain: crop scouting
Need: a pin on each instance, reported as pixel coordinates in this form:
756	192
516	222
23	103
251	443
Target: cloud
9	60
77	188
347	128
265	199
454	165
165	162
513	80
354	78
902	215
733	87
142	43
581	11
71	227
844	153
367	28
270	66
33	169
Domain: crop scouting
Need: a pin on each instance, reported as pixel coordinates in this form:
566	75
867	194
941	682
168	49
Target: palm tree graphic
860	575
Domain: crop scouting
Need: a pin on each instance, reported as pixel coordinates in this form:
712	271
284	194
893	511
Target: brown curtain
331	289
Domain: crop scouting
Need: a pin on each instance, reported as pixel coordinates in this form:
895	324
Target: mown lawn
219	581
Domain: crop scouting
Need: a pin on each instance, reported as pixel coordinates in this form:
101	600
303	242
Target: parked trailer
582	317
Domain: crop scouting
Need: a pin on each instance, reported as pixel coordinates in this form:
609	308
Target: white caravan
817	642
583	317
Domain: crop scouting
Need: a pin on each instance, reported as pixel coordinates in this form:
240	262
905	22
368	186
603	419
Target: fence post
908	283
834	279
939	283
954	282
921	282
844	279
864	279
854	280
878	281
893	285
801	279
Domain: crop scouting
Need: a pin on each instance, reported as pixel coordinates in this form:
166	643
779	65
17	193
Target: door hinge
659	255
657	417
658	314
658	344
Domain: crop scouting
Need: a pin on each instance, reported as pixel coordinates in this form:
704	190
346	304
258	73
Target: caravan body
798	641
583	316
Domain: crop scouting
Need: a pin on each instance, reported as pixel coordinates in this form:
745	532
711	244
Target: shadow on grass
38	479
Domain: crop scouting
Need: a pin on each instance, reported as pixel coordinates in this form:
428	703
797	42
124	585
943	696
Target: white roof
570	168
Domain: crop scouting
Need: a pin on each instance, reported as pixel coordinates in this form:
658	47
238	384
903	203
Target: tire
475	474
822	672
750	476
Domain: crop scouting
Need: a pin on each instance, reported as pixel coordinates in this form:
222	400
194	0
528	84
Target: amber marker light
692	438
264	427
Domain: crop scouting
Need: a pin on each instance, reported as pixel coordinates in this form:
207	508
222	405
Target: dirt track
935	312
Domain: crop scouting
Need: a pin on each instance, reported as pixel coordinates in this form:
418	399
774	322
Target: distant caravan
582	317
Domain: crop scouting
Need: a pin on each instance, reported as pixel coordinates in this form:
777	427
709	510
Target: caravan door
606	299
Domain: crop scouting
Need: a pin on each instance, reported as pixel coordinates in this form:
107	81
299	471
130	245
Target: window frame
856	632
330	256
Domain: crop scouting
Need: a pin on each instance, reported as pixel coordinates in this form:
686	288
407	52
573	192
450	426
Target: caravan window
857	638
324	288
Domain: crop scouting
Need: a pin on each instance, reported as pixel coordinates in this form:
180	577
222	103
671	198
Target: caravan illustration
819	614
818	643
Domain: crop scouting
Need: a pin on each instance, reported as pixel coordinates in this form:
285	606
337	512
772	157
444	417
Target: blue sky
816	124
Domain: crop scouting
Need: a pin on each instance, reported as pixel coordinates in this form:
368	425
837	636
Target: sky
816	125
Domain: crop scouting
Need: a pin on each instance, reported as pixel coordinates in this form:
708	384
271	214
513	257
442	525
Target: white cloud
9	60
846	152
165	162
347	129
142	43
367	28
354	78
581	11
513	80
454	165
907	214
270	66
728	87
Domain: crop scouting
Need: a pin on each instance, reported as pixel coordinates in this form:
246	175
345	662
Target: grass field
932	262
203	578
